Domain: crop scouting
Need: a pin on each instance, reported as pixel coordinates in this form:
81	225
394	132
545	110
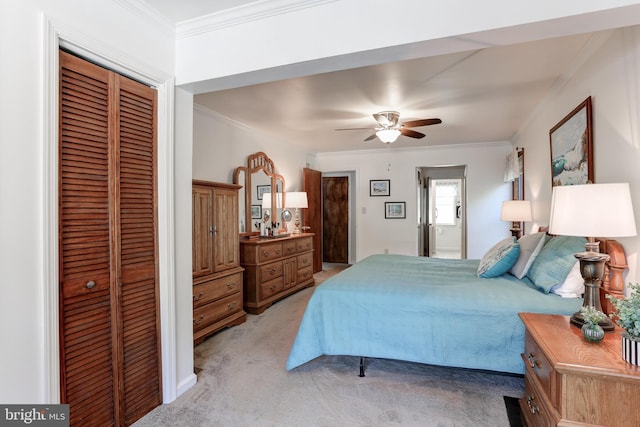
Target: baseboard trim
186	384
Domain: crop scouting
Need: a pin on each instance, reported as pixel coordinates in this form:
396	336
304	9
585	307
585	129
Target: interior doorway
338	226
442	211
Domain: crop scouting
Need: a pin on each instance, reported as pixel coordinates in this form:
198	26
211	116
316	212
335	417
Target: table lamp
297	200
516	211
592	210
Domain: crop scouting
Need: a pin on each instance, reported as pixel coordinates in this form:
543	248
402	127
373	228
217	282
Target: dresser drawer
270	271
305	274
210	313
533	407
540	366
305	260
288	248
270	288
269	252
212	290
304	244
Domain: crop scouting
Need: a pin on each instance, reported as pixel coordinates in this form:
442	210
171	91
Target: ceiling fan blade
369	138
369	128
423	122
411	133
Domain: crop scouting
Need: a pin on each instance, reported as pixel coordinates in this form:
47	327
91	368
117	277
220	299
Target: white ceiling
482	95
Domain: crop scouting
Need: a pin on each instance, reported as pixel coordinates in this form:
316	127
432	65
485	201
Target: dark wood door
109	316
335	216
312	185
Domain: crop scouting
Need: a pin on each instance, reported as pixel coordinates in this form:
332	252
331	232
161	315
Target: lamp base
592	270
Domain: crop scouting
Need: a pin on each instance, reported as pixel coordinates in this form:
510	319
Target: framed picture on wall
261	189
379	187
256	212
572	147
395	210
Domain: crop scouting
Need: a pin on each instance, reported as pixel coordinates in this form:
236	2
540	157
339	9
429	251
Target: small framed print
261	189
379	187
395	210
256	212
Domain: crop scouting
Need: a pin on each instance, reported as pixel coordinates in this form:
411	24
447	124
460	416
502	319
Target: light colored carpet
243	382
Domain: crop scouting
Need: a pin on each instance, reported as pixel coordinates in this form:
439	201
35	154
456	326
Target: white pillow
573	285
530	246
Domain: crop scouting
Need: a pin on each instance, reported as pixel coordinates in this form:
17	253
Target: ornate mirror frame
244	175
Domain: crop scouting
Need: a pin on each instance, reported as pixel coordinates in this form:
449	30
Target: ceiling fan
389	129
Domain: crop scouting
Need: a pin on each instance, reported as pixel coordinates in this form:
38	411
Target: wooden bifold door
109	316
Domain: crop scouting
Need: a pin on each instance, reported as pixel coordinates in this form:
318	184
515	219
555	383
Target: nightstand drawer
533	408
540	365
305	274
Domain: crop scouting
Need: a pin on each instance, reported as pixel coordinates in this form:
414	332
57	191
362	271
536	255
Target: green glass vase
592	332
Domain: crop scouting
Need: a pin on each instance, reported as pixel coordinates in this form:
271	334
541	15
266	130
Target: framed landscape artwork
256	212
395	210
572	147
261	189
379	187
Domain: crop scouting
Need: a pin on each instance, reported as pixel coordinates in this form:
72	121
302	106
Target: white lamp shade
592	210
296	199
516	210
388	135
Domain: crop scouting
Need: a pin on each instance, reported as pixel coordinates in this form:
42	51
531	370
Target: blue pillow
499	259
554	262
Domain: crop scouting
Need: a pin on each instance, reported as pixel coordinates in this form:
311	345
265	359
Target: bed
434	311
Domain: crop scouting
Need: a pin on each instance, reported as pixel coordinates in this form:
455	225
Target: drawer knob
531	357
290	249
199	320
90	284
231	305
272	271
231	285
533	407
199	297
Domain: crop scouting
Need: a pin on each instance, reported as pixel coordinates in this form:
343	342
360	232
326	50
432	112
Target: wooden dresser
569	381
217	274
275	268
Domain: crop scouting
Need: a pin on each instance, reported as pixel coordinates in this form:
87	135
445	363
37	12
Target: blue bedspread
424	310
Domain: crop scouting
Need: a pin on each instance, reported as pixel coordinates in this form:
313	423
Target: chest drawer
269	252
212	290
304	244
540	366
270	271
207	314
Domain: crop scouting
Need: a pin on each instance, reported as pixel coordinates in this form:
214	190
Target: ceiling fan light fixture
388	135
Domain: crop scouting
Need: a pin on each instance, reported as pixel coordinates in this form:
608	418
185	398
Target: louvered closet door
137	215
109	329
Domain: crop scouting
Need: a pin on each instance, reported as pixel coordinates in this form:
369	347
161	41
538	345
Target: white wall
610	76
219	146
485	193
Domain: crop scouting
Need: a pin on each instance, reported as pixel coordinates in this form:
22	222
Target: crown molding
255	11
148	13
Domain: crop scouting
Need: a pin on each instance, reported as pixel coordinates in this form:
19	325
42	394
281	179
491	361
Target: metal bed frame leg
361	367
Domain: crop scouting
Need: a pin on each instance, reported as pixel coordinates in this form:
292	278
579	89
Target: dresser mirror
258	178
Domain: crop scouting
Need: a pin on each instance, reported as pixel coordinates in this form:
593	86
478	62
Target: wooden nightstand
569	381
